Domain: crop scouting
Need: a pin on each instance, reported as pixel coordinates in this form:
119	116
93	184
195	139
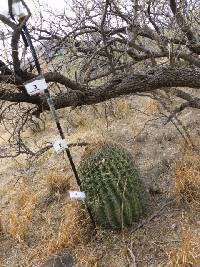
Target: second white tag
60	145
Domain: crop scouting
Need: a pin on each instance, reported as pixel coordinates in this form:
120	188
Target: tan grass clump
20	218
187	253
74	228
57	182
187	180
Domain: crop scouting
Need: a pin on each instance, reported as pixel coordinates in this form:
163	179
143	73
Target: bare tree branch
98	51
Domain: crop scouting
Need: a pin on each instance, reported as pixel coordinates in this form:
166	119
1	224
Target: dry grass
187	180
57	182
122	109
20	217
93	147
154	107
106	250
187	253
99	116
73	229
33	222
87	257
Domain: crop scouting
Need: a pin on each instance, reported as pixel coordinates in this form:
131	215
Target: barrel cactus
114	192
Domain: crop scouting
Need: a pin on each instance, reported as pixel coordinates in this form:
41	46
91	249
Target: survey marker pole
39	85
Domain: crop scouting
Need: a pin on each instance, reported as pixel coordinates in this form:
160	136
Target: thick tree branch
14	45
130	83
111	47
192	101
4	70
8	22
59	78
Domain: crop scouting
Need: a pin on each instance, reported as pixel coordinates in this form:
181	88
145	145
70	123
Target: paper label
36	85
60	145
77	195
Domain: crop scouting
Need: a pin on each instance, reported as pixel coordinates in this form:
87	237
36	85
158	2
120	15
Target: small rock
154	190
64	260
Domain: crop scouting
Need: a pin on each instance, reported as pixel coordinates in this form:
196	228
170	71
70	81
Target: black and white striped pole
17	11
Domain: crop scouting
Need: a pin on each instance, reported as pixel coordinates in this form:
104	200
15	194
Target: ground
38	220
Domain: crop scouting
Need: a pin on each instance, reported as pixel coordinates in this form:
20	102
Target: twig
157	213
132	256
46	148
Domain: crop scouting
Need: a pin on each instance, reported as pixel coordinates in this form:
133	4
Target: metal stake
28	42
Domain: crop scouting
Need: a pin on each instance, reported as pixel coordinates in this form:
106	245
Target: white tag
18	9
77	195
60	145
36	85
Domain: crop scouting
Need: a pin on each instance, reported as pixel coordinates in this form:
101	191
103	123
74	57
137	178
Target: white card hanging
60	145
77	195
36	85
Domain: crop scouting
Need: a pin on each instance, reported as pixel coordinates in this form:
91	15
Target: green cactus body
114	191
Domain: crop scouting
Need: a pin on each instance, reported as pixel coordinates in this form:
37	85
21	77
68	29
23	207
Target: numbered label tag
36	85
76	195
60	145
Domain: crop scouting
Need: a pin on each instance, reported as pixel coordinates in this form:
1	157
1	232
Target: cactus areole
115	193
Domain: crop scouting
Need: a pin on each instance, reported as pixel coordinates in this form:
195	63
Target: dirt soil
38	220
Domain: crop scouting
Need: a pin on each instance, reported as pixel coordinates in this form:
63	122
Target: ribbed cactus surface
114	191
